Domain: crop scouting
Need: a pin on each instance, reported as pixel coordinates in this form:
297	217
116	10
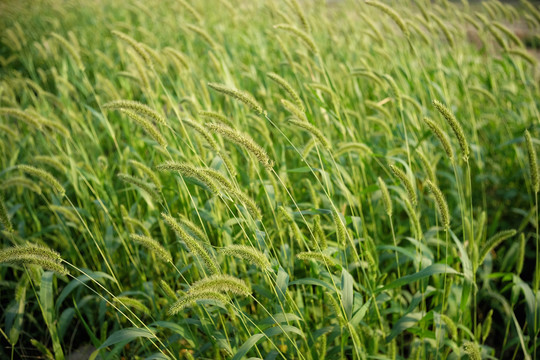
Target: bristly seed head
244	141
243	96
533	166
441	204
456	128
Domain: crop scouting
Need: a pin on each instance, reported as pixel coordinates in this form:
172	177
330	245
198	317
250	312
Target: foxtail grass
44	177
247	253
190	171
191	299
242	96
456	127
33	255
193	245
148	188
152	246
221	284
244	141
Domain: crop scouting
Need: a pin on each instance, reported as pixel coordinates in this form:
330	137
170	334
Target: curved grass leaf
467	272
406	322
282	283
46	298
14	316
312	281
80	280
124	336
530	304
431	270
268	333
347	293
157	356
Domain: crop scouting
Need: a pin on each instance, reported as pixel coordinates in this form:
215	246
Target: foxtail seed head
288	88
242	96
43	176
138	108
189	170
533	165
190	300
341	230
147	171
244	141
247	253
136	46
313	131
456	128
33	255
153	246
406	182
148	188
147	126
472	350
4	216
392	13
318	257
193	245
222	284
442	206
439	133
493	242
303	36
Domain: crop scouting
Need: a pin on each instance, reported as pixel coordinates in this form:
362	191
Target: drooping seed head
4	216
288	88
318	257
313	131
406	182
442	205
33	255
153	246
193	245
247	253
244	141
43	176
189	170
392	13
242	96
303	36
147	126
136	46
222	284
533	165
191	298
439	133
493	242
148	188
138	108
456	128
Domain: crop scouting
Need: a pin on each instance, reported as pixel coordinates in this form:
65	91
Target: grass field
288	179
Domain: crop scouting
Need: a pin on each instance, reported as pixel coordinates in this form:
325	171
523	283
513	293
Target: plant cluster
282	179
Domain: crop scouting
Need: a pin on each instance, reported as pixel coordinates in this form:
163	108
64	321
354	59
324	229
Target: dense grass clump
289	179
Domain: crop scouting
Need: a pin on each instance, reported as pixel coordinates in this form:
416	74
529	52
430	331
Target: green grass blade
431	270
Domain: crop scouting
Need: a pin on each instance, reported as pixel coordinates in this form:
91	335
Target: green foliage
293	198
